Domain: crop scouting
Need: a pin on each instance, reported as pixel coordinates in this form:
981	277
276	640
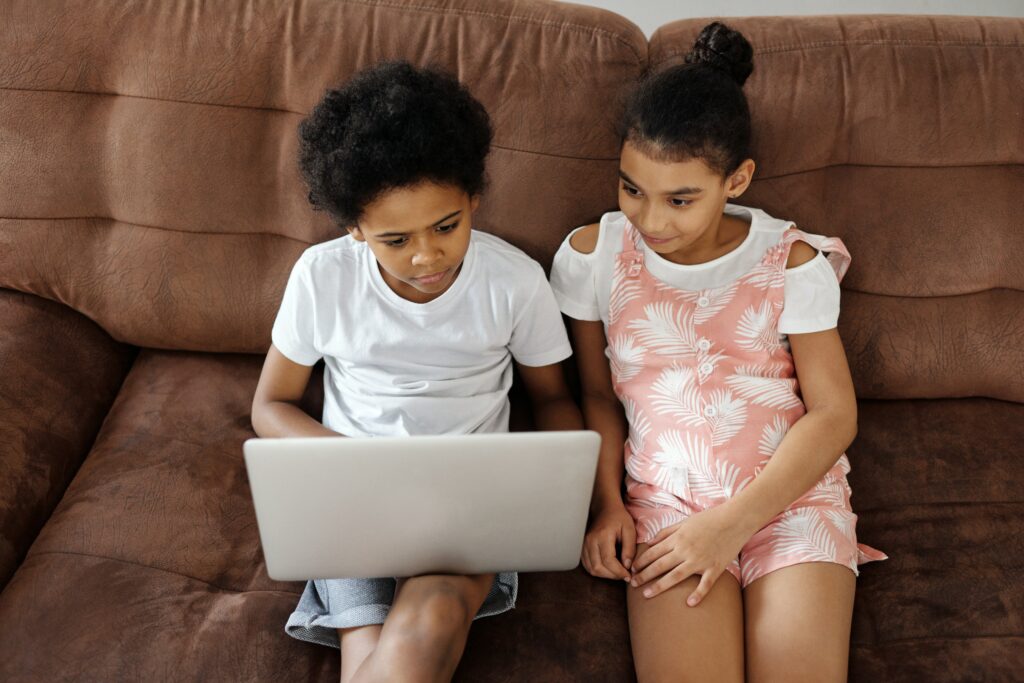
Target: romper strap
631	258
835	251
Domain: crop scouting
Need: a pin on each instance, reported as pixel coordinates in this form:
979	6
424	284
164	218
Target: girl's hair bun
722	48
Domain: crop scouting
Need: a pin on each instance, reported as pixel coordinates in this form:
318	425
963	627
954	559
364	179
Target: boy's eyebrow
682	190
436	223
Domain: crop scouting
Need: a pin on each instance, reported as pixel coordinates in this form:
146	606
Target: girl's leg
356	645
798	623
425	632
674	642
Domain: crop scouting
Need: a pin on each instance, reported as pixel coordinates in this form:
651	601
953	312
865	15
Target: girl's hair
392	125
697	110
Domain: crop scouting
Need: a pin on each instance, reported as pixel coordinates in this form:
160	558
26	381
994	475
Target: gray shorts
329	604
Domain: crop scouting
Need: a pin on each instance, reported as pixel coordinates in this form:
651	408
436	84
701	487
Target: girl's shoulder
591	241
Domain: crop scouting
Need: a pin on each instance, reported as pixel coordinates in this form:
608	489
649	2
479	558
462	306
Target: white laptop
337	507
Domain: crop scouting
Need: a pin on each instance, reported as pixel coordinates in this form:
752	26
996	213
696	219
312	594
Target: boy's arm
553	407
275	407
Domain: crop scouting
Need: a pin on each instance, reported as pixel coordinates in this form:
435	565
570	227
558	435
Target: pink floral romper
709	391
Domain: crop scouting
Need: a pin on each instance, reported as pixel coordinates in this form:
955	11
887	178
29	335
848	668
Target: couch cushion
172	209
152	560
59	373
936	485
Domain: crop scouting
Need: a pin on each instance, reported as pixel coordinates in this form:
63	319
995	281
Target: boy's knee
439	609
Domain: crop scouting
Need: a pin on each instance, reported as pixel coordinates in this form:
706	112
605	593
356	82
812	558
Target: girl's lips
654	240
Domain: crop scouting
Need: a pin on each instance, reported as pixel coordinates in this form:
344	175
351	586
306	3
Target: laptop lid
401	506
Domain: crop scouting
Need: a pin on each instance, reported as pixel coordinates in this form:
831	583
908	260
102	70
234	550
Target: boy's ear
356	233
737	183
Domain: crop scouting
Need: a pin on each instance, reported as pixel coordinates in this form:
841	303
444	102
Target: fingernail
627	563
691	602
633	583
647	594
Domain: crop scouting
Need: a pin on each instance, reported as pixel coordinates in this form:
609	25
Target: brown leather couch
151	211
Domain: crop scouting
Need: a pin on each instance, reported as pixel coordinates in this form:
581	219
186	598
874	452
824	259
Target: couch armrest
59	374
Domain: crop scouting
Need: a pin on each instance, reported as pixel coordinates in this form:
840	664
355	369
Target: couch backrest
148	150
905	137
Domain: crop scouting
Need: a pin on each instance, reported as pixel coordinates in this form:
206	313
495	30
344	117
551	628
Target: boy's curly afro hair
393	125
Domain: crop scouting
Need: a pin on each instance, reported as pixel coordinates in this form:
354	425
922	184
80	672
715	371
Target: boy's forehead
412	208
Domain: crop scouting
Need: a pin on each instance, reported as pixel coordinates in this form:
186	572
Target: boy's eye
396	242
676	201
447	228
630	190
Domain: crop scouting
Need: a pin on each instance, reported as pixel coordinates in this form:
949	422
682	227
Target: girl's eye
630	190
447	228
397	242
676	201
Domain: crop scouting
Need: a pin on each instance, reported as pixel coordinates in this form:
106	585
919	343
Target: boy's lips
432	279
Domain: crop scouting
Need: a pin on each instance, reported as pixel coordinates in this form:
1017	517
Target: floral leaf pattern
709	389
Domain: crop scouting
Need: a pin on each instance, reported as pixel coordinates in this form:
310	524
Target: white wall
650	14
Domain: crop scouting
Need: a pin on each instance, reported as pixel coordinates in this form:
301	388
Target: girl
736	533
417	317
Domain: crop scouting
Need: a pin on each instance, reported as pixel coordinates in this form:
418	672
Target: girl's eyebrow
385	235
682	190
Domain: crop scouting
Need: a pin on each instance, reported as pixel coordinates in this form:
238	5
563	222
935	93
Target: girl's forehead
659	175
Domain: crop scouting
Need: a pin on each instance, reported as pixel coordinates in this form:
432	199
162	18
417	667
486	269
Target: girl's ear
356	233
474	203
737	183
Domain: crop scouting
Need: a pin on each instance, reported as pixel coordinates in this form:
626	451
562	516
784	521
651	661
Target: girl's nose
426	255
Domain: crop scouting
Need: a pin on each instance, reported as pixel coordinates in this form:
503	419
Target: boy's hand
611	525
703	544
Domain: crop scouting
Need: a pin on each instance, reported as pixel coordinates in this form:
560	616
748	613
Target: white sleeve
811	298
572	281
539	337
294	327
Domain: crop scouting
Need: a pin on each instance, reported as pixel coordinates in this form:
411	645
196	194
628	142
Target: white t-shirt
394	367
582	282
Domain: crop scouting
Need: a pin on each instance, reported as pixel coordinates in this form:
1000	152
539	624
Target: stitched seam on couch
779	49
577	28
272	109
38	553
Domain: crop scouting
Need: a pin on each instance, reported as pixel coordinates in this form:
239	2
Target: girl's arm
813	445
275	409
610	522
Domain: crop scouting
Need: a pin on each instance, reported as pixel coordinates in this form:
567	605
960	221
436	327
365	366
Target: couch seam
269	109
780	49
156	569
576	28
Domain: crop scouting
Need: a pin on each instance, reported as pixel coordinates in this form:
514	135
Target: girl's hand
703	544
610	525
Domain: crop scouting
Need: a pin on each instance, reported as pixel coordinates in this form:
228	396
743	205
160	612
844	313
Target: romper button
705	369
704	345
710	411
703	301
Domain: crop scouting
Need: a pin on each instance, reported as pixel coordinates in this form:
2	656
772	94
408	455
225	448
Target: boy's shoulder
502	258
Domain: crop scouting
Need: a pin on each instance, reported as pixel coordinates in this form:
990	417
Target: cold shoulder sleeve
573	281
811	302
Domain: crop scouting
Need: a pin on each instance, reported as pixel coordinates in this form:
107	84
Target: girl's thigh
674	642
794	612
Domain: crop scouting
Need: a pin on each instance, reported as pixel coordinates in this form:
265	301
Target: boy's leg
356	645
674	642
798	623
425	632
